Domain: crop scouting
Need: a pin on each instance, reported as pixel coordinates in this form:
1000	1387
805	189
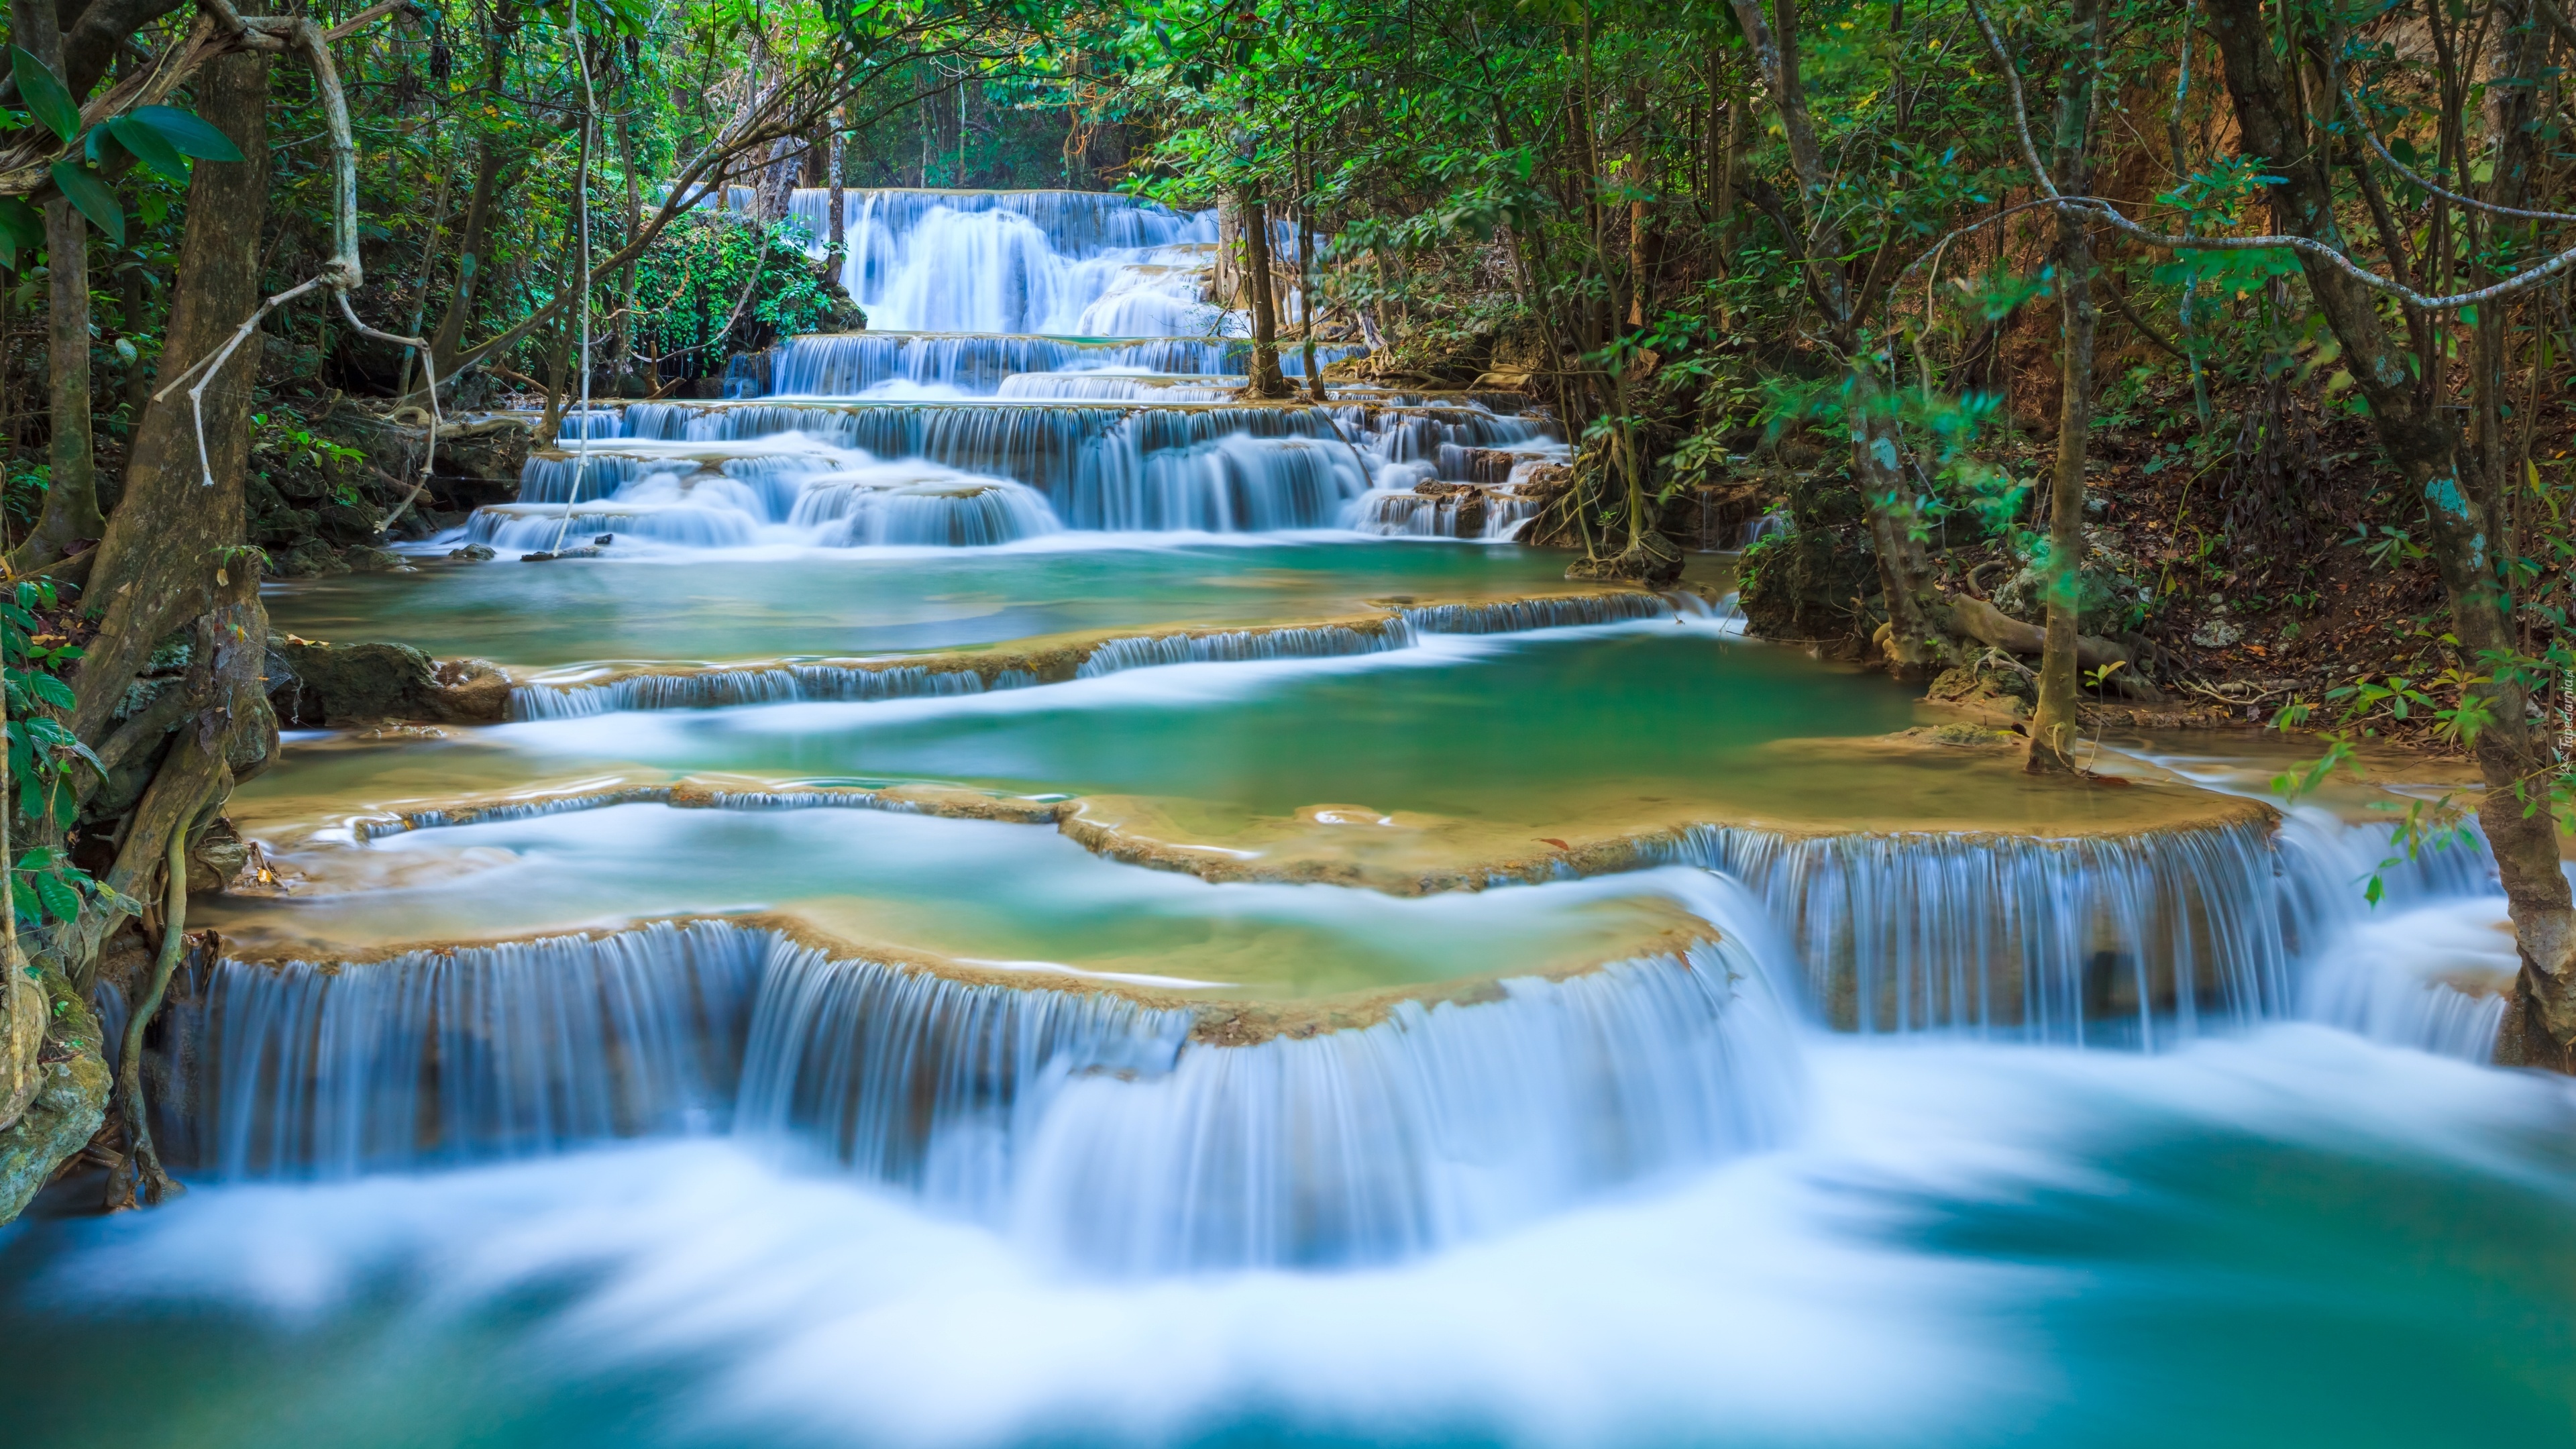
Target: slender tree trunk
449	340
138	378
626	282
839	246
71	498
1306	300
1266	378
2054	729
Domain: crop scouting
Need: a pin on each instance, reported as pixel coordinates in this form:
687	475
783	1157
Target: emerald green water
809	603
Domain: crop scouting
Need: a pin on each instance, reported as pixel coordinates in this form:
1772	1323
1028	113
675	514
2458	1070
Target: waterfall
780	684
1433	1126
1240	646
2118	938
863	683
989	473
459	1055
856	364
1102	1128
2429	966
2125	939
1013	261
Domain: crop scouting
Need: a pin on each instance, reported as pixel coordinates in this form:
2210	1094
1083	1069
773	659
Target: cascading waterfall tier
982	474
2057	940
1077	263
2118	939
1123	1133
988	670
856	364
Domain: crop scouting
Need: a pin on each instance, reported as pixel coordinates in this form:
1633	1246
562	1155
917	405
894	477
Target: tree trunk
2424	446
71	498
168	554
1306	300
449	340
1266	379
1913	621
2054	729
838	248
626	283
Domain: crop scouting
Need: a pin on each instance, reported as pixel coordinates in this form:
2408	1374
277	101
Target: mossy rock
69	1104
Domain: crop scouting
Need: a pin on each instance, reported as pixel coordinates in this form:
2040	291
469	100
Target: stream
1023	900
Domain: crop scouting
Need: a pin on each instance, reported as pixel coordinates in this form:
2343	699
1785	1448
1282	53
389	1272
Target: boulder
333	685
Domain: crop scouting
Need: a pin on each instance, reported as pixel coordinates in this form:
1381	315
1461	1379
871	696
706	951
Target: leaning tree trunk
449	339
173	565
1266	378
2054	729
173	559
2514	756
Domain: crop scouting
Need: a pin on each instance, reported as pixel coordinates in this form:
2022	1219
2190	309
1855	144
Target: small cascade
856	364
779	684
453	1056
979	474
1240	646
1095	1126
1117	387
2430	966
1434	1126
867	683
1516	616
2123	939
797	490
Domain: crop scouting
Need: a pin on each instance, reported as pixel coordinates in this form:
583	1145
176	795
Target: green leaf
188	133
51	690
149	147
47	98
83	189
21	225
59	900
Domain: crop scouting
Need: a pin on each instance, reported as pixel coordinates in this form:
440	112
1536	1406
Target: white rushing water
1041	307
1965	1247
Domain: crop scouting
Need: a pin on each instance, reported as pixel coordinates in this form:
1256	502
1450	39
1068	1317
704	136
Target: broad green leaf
47	98
21	226
53	691
188	133
60	901
84	190
149	147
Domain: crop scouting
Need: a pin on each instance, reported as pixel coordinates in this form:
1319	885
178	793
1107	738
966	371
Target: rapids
1024	900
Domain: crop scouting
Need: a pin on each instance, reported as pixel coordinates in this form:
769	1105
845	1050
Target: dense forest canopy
2219	341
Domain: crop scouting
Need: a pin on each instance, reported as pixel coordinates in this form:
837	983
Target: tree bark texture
166	558
1266	378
